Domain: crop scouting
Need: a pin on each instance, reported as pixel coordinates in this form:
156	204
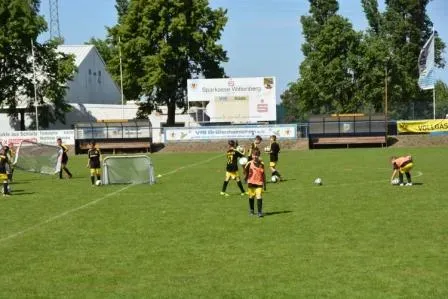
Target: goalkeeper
94	162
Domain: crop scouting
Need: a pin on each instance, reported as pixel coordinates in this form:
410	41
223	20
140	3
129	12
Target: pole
35	87
434	102
121	79
385	98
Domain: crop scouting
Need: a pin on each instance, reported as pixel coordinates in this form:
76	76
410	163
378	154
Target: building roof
79	51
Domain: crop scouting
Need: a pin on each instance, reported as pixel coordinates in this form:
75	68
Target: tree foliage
346	71
164	43
20	24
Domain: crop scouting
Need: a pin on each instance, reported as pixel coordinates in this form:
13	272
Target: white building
92	84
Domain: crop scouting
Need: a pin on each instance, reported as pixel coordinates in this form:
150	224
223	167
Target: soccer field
356	236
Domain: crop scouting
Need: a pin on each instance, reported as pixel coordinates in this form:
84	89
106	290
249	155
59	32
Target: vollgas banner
236	100
426	78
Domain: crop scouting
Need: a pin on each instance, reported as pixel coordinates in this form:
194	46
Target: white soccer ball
274	179
98	183
318	181
243	161
395	181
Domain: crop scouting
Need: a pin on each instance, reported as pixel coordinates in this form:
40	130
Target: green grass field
356	236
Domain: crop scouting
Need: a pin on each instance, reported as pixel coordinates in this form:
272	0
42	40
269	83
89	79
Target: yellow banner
422	126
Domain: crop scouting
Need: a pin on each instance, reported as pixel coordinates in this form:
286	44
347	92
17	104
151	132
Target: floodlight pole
121	79
35	87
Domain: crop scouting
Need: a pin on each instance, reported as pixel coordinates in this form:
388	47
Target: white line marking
53	218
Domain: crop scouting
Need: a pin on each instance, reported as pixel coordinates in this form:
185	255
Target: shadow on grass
276	213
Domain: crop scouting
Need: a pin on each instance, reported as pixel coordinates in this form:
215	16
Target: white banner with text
46	137
229	132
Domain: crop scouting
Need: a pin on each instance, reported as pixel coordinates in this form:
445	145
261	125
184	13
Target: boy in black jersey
254	145
4	172
94	162
64	159
232	168
274	150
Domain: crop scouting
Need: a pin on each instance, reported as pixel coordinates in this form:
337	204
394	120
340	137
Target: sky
261	37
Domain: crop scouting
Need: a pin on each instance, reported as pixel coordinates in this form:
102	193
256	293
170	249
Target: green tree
21	24
329	73
163	44
441	99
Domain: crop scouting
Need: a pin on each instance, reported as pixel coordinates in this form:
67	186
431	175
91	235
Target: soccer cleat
401	184
251	213
408	184
260	215
224	194
244	193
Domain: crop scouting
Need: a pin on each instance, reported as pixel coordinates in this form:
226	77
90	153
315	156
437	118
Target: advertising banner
422	126
46	137
426	66
227	132
236	100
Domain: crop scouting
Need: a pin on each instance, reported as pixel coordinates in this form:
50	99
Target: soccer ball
318	181
274	179
395	181
243	161
98	182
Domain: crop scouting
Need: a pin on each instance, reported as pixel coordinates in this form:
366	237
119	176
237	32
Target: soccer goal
37	157
128	169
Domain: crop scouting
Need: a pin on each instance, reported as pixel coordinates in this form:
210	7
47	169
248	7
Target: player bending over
232	168
4	172
402	165
94	162
256	179
64	158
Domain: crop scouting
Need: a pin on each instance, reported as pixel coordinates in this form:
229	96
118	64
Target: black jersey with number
94	158
232	160
275	149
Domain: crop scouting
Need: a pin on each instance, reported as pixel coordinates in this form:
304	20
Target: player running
94	162
232	168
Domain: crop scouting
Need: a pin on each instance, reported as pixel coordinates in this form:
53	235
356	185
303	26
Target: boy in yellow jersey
94	162
402	165
4	172
9	153
254	145
64	159
232	168
256	179
274	150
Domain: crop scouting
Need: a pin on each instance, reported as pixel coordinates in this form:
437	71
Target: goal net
37	157
128	169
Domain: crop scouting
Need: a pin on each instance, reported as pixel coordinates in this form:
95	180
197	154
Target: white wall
93	84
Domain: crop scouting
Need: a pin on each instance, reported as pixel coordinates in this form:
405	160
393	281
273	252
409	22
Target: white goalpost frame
37	161
143	175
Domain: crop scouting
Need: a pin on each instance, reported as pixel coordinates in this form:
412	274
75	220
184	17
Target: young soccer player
64	159
256	179
274	150
10	154
94	162
254	145
402	165
4	172
232	168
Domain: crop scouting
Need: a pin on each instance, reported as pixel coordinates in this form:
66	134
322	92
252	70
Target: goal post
37	157
128	169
